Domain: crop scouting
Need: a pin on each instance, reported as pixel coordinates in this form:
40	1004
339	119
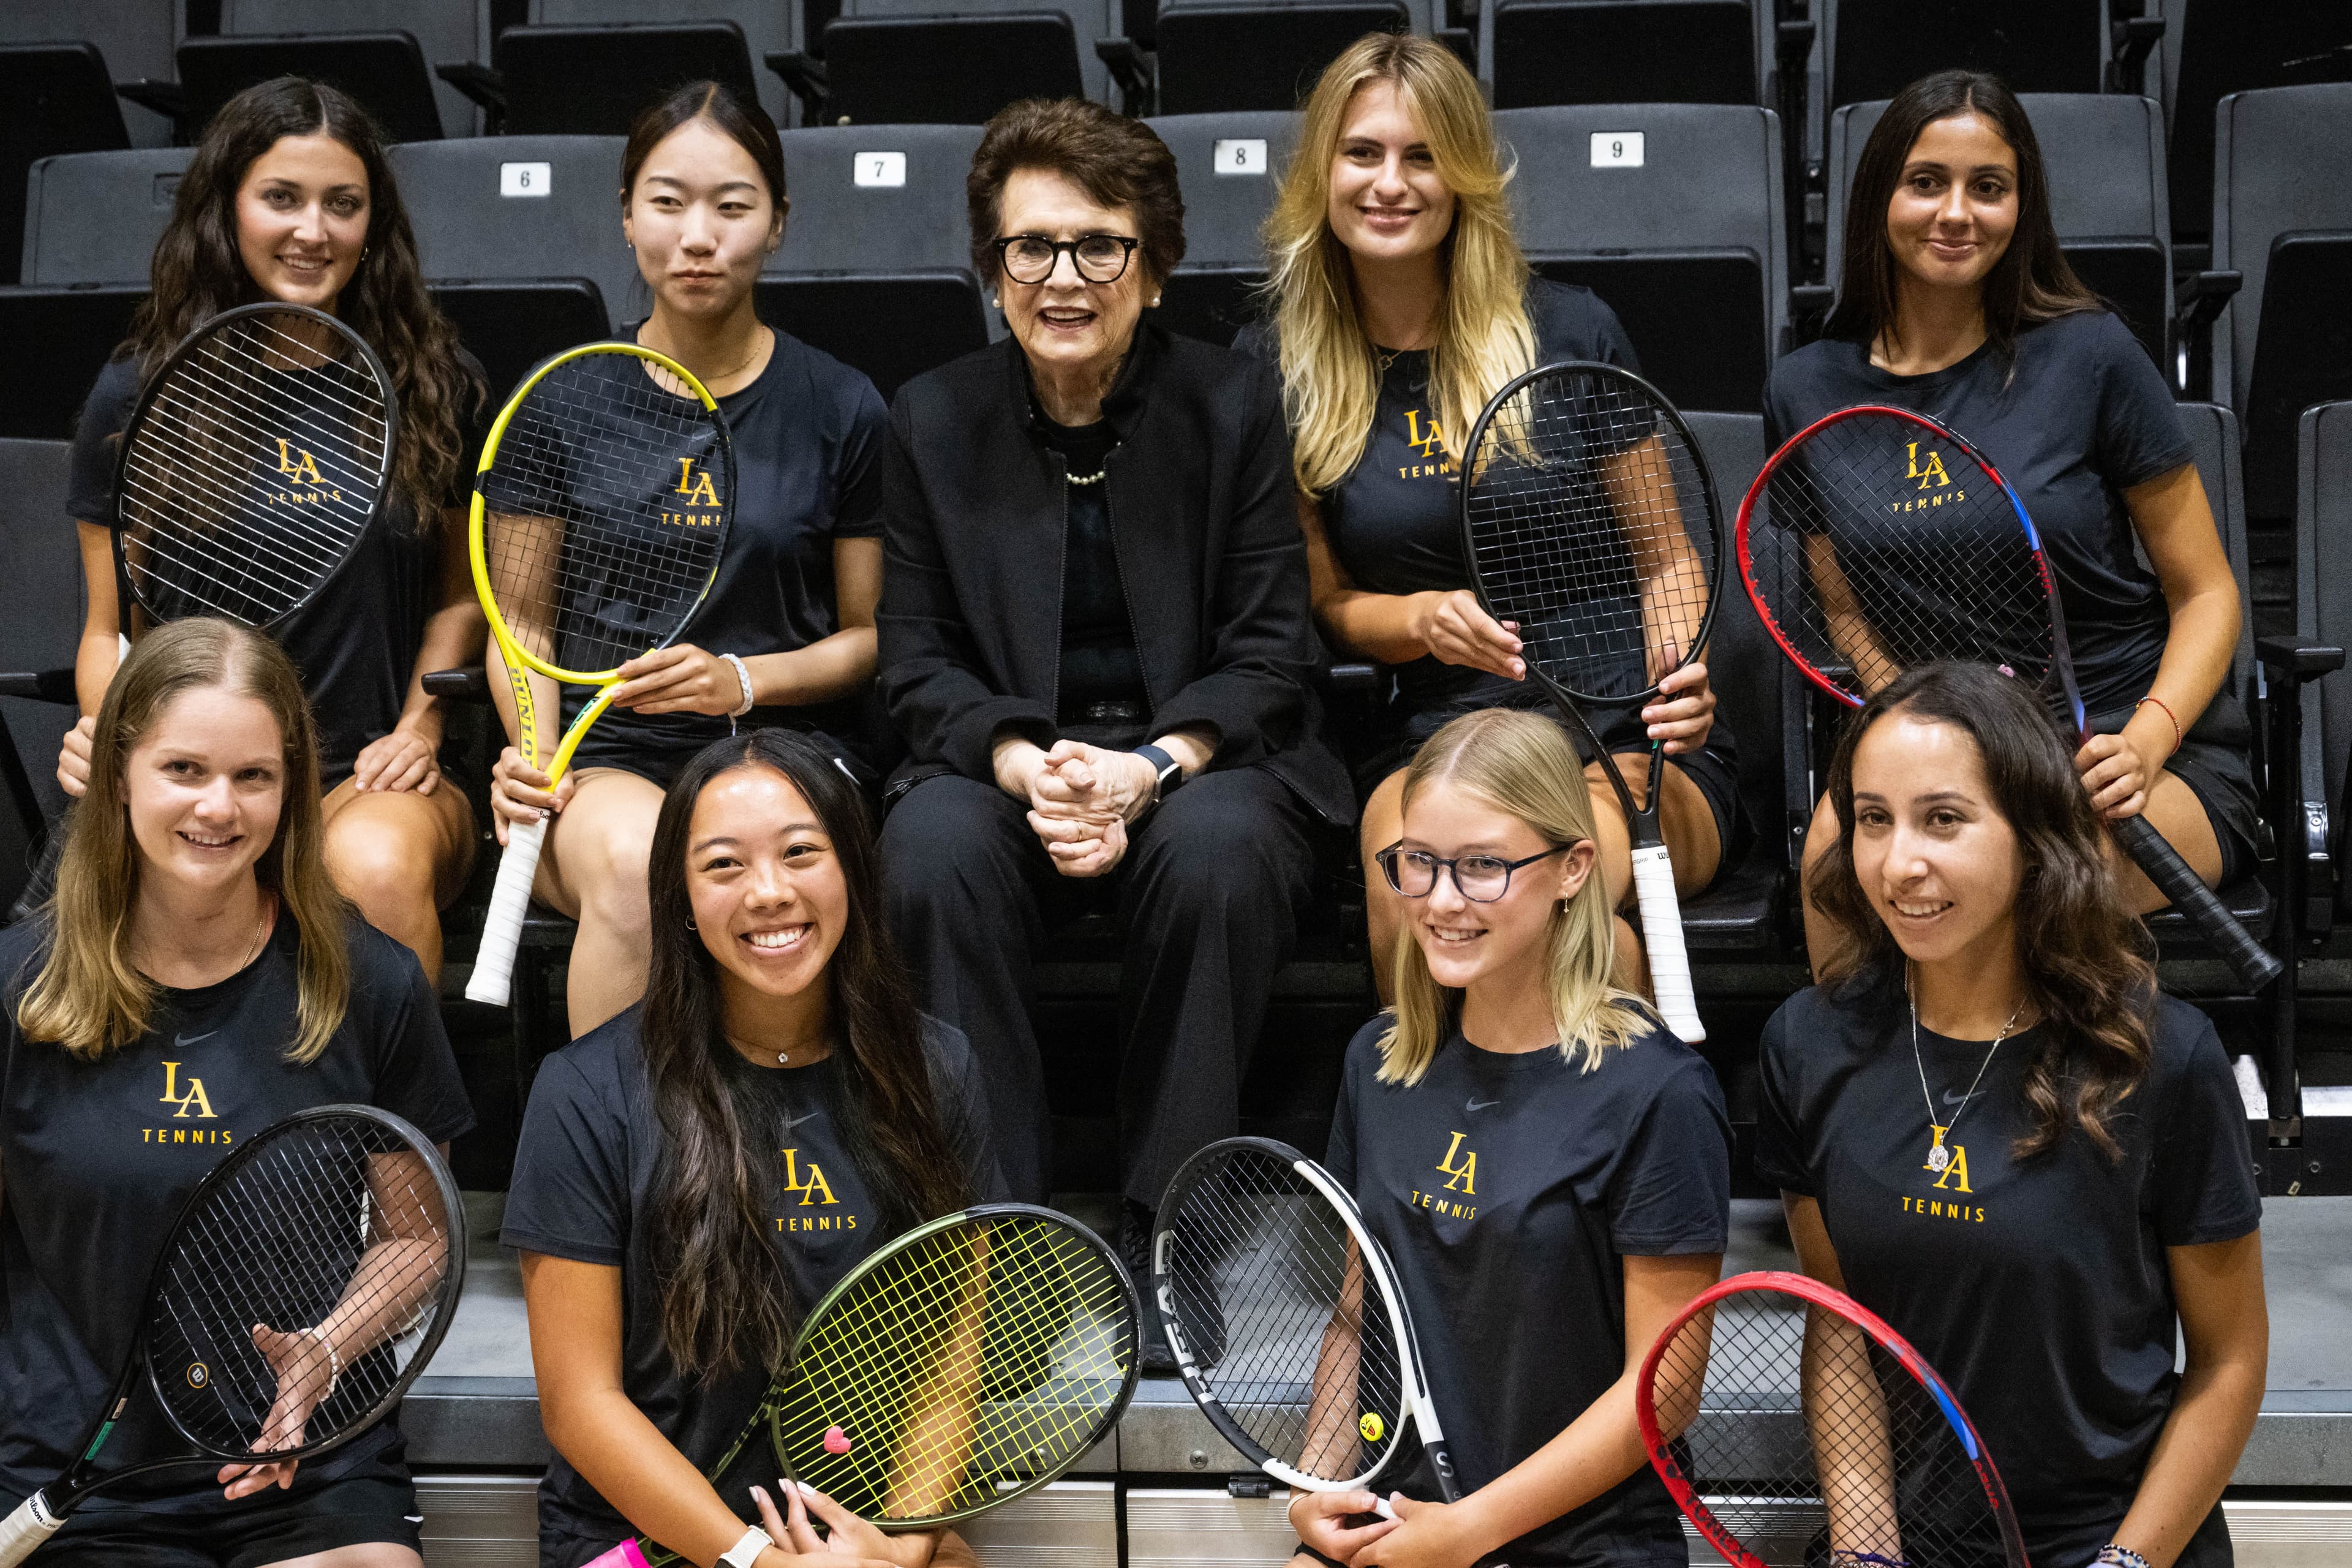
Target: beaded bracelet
2177	739
2114	1556
744	677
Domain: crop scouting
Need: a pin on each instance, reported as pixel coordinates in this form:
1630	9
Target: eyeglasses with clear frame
1099	257
1481	878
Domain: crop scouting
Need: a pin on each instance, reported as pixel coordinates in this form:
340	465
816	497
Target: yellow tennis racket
601	509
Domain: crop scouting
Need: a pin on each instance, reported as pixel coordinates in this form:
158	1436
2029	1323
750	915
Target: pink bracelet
2176	736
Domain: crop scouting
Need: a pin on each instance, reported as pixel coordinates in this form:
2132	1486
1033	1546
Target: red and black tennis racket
1589	522
1877	539
1795	1429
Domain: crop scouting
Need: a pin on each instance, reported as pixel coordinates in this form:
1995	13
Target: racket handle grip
21	1533
2253	963
1662	935
493	975
624	1555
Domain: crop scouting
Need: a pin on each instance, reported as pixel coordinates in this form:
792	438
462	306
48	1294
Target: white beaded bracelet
744	676
334	1362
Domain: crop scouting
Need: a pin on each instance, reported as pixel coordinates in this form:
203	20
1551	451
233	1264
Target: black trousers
1212	889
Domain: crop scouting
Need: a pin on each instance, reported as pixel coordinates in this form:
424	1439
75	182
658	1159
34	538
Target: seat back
519	207
2324	580
2303	356
947	70
1874	48
1230	167
445	30
385	71
512	324
2218	47
1216	59
1090	22
769	27
94	217
1757	689
54	99
595	81
68	333
134	37
2104	155
1672	213
2213	432
1609	51
40	624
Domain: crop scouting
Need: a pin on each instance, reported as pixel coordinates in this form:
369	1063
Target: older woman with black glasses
1095	639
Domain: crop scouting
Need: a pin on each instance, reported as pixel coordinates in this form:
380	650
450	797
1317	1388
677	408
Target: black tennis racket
306	1282
257	456
1876	539
1287	1322
1589	520
1795	1429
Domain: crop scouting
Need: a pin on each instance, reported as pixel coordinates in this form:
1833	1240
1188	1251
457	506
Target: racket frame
1654	872
501	936
125	586
1381	1277
57	1499
1827	1298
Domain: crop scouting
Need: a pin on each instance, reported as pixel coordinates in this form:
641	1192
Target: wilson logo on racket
199	1374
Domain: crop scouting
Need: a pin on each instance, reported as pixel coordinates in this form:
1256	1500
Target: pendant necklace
1938	1157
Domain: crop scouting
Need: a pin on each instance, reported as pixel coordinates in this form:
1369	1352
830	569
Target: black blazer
1207	530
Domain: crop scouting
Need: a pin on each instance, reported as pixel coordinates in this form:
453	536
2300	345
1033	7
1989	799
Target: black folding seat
1217	58
2216	47
69	334
1229	165
387	71
54	99
552	79
1628	51
934	69
445	30
1874	48
767	25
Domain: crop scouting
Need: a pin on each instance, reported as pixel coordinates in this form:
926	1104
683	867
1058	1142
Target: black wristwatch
1168	771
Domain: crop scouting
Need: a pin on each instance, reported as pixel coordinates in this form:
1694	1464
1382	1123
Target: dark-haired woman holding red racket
1990	1127
1956	301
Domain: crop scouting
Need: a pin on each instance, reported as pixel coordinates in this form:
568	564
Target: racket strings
1877	547
253	469
1587	527
1298	1351
1804	1438
984	1352
333	1227
603	515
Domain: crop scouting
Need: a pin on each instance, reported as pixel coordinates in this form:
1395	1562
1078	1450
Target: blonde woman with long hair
195	978
1549	1168
1400	304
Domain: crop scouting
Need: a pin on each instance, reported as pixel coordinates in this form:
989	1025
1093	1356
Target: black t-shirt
2040	1289
584	1182
1506	1188
96	1158
1099	663
806	433
356	641
2080	416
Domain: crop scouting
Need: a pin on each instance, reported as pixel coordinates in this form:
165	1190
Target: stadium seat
562	80
2324	615
40	624
766	24
1229	166
1673	214
445	30
1611	51
512	324
94	217
1216	59
1872	49
2216	47
68	333
54	99
518	207
134	37
387	71
2282	219
2105	154
876	268
936	69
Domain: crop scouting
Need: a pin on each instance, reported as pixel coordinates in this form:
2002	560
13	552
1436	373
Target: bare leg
400	855
377	1554
593	869
1826	940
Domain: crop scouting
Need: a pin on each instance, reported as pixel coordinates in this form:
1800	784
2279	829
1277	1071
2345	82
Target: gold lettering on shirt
1933	474
1464	1177
193	1095
810	1188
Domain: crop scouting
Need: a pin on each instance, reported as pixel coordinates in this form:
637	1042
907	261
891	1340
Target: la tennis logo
192	1096
301	468
1933	474
696	487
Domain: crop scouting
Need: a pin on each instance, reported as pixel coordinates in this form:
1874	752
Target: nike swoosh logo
1479	1104
1954	1098
796	1121
184	1041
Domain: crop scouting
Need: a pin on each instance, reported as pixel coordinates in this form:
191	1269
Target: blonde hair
1331	377
88	996
1522	765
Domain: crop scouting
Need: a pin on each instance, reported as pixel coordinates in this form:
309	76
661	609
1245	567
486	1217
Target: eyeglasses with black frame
1099	257
1481	878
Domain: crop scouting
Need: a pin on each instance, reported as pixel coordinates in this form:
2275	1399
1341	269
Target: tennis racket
1287	1322
304	1285
1795	1429
256	460
968	1361
601	508
1589	520
1876	539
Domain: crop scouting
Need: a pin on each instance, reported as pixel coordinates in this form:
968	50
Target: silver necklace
1939	1157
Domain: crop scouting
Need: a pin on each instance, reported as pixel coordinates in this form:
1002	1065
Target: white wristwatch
746	1551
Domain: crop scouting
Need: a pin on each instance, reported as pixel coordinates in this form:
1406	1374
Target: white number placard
1617	149
525	180
1241	155
880	168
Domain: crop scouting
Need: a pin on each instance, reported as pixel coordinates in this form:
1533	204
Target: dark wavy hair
2083	953
723	1290
2031	284
198	273
1117	162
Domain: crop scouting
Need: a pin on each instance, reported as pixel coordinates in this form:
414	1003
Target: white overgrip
1662	935
24	1531
502	926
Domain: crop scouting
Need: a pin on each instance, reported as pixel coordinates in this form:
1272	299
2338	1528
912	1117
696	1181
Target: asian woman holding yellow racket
697	1173
782	634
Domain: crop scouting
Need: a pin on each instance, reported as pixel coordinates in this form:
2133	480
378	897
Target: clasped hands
1082	799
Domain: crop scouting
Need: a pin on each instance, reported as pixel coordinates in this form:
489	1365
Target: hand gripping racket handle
1661	934
21	1533
502	926
2187	892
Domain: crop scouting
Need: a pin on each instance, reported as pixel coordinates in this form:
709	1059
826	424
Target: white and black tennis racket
1287	1322
305	1284
1877	539
257	456
1588	518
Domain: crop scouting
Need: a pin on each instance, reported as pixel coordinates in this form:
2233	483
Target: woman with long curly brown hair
1990	1127
288	198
